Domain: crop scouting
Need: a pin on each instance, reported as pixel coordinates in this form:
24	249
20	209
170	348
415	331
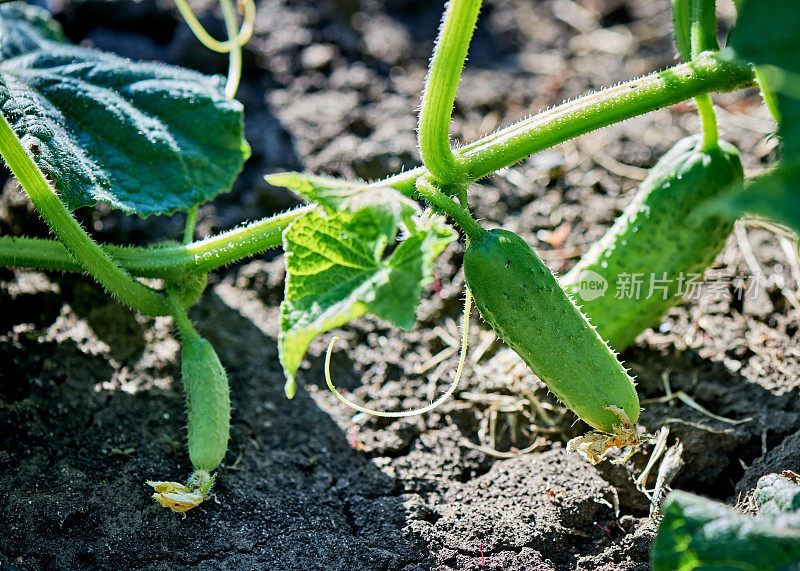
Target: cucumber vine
185	130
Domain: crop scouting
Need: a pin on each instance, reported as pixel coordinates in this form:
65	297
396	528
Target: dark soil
90	399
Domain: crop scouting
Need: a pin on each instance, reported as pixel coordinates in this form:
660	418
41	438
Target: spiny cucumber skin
520	298
208	403
659	232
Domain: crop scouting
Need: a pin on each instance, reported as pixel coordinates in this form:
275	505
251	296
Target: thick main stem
441	85
599	110
579	116
93	259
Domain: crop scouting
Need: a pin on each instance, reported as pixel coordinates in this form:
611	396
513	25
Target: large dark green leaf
766	34
146	138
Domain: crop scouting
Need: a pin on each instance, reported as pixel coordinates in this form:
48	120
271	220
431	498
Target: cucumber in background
660	238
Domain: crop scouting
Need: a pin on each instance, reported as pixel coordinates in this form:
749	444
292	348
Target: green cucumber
208	402
660	238
520	298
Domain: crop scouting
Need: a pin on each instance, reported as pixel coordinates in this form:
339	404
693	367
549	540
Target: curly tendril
402	414
244	35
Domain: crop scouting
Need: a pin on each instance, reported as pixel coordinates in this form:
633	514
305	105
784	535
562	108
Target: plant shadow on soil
295	494
297	490
298	497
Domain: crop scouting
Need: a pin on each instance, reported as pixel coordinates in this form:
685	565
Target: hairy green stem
93	259
705	108
579	116
681	16
441	84
428	190
703	37
704	27
601	109
170	262
484	156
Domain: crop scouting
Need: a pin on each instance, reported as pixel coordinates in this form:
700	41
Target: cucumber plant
152	139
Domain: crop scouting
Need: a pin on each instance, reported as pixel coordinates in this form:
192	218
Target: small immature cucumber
659	240
520	298
208	402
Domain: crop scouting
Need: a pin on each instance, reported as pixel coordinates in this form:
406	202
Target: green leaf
783	97
776	494
338	270
696	533
22	28
766	34
146	138
382	208
768	93
775	195
336	194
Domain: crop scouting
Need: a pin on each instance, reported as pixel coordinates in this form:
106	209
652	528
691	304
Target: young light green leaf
336	194
337	270
146	138
382	208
